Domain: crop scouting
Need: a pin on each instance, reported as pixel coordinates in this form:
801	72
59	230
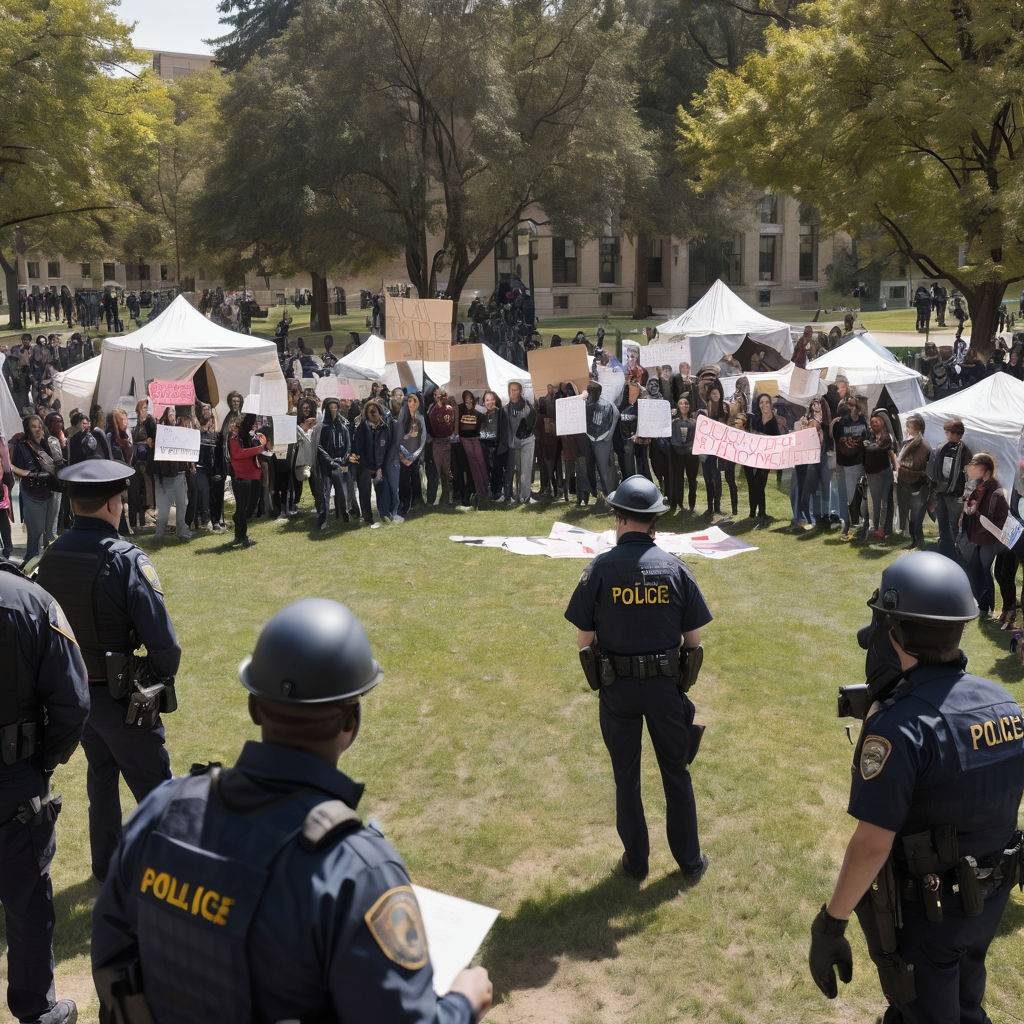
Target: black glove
829	949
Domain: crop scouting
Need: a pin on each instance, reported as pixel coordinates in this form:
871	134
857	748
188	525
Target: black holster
144	705
119	674
690	661
880	916
590	660
122	1000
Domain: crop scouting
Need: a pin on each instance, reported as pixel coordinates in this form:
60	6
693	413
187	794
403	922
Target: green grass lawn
484	762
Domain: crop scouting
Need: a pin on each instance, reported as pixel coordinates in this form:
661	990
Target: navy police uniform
255	894
944	752
44	701
112	595
639	600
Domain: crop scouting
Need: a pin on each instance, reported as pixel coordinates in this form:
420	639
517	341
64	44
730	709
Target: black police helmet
924	586
638	494
311	652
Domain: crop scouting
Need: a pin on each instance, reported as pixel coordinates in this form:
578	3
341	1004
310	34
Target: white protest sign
760	451
176	444
613	383
308	383
653	418
252	404
327	387
273	394
454	928
284	430
665	353
1008	535
571	415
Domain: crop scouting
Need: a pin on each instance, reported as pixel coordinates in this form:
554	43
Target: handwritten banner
665	353
469	371
417	329
759	451
163	393
571	415
176	444
653	418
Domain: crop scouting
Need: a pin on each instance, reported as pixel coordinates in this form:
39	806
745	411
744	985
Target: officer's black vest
19	706
72	578
195	906
980	799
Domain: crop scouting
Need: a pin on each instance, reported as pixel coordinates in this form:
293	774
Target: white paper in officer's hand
455	930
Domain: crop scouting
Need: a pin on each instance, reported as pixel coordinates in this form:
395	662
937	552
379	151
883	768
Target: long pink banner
760	451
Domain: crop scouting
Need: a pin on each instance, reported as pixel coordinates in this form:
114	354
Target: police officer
44	701
255	892
937	782
631	607
112	595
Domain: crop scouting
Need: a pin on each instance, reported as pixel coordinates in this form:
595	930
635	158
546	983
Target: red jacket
245	463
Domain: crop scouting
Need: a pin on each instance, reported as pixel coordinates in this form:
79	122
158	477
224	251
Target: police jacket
112	596
44	695
238	913
638	598
946	749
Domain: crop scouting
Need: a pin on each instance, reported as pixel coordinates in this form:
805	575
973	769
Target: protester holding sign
602	419
683	464
715	409
169	484
209	477
983	496
471	421
245	447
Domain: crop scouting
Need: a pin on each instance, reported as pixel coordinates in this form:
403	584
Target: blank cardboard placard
557	365
653	418
468	369
417	329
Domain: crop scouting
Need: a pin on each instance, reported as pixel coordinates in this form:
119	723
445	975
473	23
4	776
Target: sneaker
63	1011
282	518
692	878
396	518
207	527
220	528
324	526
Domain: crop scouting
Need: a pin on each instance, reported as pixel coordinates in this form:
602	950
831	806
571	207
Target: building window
53	268
768	209
108	271
809	253
654	262
604	298
163	271
716	258
766	258
33	268
897	291
87	270
764	297
561	302
505	249
143	271
563	261
608	262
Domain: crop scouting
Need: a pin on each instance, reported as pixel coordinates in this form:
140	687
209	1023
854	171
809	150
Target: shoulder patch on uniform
585	575
396	924
59	622
148	571
873	755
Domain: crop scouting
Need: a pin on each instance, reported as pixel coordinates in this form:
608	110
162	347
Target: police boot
63	1011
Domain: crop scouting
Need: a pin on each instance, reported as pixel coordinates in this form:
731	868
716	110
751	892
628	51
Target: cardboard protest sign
417	329
571	415
176	444
468	369
653	418
760	451
557	365
665	353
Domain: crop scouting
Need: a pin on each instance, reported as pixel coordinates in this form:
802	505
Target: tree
890	113
252	26
73	136
409	148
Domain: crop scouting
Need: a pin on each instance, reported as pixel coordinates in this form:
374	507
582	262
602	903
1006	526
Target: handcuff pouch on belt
130	677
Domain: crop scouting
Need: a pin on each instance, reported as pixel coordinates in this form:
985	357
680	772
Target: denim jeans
171	490
36	517
847	478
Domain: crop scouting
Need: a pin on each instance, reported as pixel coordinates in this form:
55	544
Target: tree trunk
11	290
640	276
983	304
319	307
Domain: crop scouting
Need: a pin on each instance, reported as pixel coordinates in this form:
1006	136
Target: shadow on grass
1013	918
73	912
218	549
524	950
1008	669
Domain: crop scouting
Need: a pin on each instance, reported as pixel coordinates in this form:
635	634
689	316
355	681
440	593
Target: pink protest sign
171	392
760	451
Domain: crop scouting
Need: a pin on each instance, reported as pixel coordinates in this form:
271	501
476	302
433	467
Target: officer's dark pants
26	894
669	715
114	749
949	962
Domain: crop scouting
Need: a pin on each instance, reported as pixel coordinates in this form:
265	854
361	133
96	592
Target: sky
176	25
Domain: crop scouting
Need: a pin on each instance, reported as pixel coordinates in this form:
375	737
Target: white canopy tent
719	323
500	372
174	346
869	367
10	416
993	414
75	387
